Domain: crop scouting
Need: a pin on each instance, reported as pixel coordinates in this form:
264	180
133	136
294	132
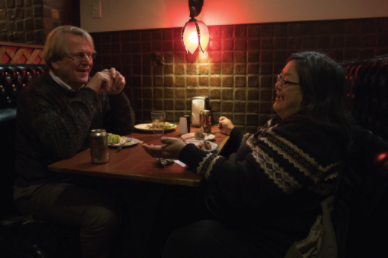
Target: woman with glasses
265	189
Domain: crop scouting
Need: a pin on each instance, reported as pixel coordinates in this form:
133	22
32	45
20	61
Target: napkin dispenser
198	104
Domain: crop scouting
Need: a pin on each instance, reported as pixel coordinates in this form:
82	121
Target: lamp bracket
195	7
157	59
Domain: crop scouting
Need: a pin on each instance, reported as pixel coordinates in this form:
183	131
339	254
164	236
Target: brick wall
29	21
238	69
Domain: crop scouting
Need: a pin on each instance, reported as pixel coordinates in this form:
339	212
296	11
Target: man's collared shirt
62	83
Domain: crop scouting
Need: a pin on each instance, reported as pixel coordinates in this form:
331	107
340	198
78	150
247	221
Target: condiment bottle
205	118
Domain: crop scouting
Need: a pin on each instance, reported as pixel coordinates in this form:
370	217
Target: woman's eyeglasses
286	83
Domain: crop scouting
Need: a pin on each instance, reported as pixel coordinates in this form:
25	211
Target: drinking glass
158	119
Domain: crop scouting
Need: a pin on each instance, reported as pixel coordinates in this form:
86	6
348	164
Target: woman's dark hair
322	82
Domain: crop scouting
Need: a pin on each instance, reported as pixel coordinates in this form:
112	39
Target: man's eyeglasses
80	56
286	83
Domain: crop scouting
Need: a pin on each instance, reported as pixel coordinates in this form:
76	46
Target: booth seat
12	79
23	236
367	85
361	211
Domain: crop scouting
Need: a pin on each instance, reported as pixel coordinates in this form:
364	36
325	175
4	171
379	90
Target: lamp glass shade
204	35
190	36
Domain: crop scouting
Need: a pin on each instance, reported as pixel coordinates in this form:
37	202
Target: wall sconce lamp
195	31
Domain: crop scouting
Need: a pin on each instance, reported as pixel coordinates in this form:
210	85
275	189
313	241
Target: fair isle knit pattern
245	137
277	174
206	165
282	158
300	159
271	183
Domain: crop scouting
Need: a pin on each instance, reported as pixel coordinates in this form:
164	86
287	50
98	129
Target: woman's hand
225	125
169	150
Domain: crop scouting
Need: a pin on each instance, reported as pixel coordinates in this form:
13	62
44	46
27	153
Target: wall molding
20	53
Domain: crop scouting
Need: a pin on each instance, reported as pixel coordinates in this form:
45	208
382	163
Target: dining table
134	163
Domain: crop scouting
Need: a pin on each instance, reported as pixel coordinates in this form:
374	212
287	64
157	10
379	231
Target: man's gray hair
55	48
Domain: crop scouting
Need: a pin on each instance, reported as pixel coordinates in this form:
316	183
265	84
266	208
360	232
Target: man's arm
119	117
58	126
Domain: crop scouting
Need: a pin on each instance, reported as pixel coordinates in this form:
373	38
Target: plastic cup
182	125
158	120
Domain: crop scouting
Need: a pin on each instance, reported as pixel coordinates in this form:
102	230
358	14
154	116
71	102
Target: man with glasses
55	114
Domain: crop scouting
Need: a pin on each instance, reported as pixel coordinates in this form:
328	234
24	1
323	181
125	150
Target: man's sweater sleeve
59	129
119	116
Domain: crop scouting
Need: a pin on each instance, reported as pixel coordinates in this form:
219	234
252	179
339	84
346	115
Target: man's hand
100	81
225	125
110	81
169	150
118	82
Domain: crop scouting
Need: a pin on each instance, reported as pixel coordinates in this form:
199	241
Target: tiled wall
238	69
29	21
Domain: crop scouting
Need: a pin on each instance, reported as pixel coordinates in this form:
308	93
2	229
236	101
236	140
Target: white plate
191	136
142	127
214	146
127	144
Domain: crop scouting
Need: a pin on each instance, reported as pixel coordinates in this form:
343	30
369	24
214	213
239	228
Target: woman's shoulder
304	124
307	133
298	120
296	125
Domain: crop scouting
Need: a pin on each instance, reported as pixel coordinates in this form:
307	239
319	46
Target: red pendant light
195	33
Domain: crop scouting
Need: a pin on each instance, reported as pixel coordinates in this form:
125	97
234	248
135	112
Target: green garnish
169	126
113	138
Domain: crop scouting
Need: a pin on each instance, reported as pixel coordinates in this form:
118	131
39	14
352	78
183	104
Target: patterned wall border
18	53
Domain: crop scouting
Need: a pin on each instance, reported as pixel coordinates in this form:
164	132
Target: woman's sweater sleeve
192	156
235	183
280	161
233	143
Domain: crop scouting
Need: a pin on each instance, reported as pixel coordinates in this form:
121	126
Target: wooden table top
133	163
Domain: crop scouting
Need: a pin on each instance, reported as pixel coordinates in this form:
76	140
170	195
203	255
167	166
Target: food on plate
205	146
199	135
156	124
115	139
